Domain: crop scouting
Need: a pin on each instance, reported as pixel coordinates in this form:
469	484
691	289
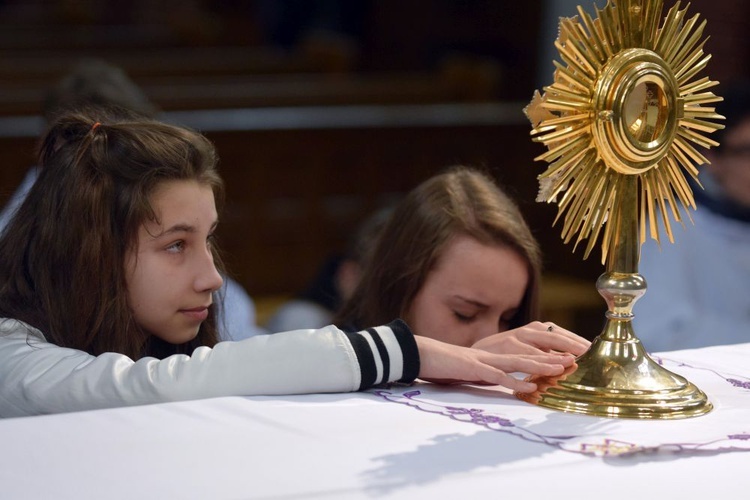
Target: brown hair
62	257
459	201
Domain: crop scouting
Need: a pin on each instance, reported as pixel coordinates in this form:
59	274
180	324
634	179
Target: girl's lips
197	313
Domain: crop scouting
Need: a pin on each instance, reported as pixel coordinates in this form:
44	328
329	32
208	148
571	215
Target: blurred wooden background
323	111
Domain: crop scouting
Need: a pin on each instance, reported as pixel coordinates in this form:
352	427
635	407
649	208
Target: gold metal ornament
620	122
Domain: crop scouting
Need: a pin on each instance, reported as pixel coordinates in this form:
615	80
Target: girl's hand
450	364
534	338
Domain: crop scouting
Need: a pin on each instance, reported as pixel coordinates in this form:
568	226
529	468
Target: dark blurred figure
95	82
333	284
699	287
91	83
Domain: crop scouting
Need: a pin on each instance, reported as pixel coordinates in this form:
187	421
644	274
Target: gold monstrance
619	122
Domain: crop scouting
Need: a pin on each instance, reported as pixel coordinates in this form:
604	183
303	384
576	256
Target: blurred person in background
699	287
333	284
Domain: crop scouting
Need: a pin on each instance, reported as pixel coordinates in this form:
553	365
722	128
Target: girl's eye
211	240
463	318
176	247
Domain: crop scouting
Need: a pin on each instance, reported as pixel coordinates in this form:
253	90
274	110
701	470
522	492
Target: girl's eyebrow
183	228
472	302
178	228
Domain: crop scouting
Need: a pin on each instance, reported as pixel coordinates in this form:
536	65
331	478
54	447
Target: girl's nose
208	278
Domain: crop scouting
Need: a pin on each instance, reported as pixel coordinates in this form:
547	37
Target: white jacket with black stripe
37	377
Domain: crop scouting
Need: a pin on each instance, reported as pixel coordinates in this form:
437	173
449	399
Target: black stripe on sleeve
409	350
386	360
365	358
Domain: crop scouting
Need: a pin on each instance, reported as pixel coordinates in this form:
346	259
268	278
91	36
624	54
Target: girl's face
170	274
473	292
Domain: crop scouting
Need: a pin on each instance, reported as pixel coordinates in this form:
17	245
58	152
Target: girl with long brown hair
459	264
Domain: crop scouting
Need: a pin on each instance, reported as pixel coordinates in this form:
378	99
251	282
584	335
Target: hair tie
93	127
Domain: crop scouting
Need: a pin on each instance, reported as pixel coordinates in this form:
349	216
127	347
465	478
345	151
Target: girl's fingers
445	363
564	359
534	338
548	336
553	342
493	376
550	327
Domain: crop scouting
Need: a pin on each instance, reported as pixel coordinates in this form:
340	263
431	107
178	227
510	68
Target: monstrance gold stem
616	377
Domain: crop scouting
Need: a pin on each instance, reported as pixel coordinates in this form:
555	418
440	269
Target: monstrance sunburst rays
612	112
621	123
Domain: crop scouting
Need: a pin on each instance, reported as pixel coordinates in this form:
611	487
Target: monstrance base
619	379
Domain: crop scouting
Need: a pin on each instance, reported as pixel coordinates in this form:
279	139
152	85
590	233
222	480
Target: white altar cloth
398	442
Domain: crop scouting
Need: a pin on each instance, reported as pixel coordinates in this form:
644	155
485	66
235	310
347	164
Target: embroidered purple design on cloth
739	383
742	384
576	443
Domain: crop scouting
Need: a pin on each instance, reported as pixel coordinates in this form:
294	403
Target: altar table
399	442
